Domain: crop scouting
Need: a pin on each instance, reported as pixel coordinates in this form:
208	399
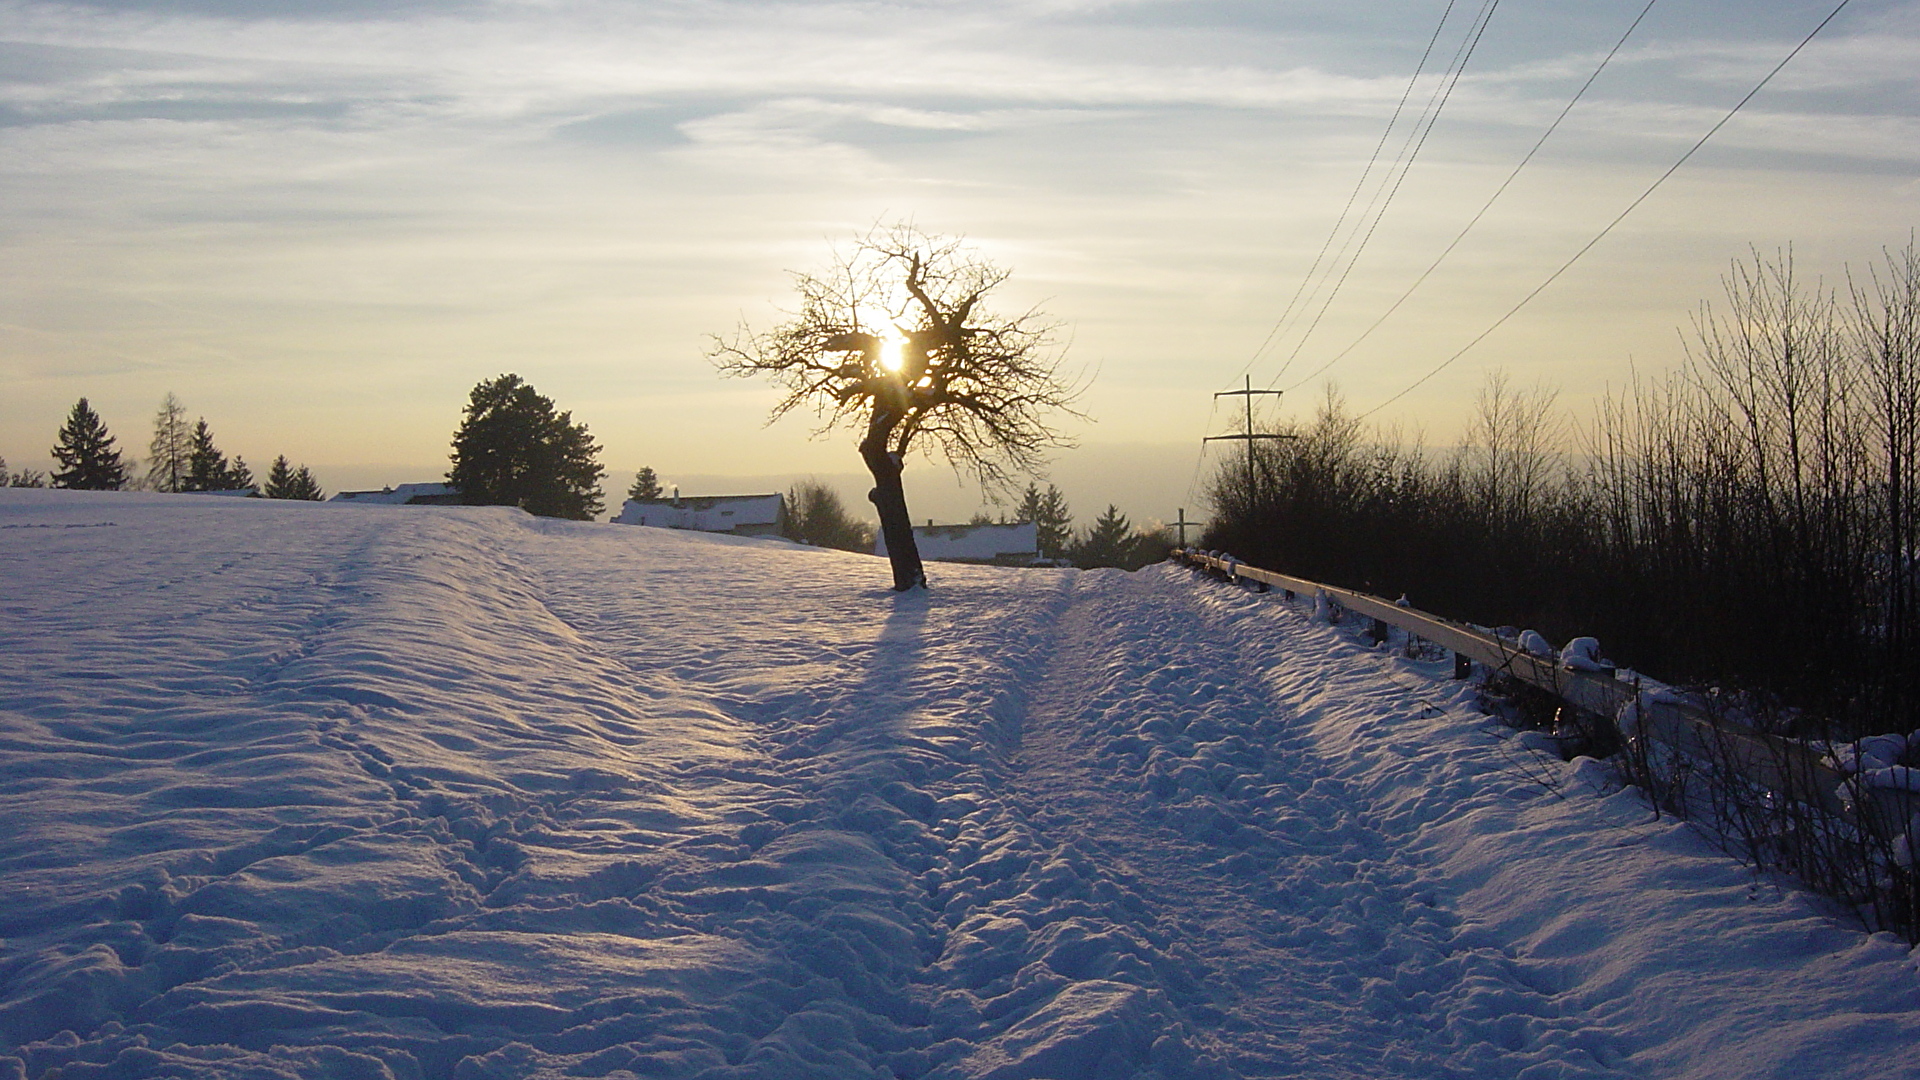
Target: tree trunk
890	499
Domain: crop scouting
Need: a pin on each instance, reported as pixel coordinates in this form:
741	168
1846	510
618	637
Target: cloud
374	198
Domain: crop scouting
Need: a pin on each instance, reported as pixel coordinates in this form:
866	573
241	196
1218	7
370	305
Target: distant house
1000	545
741	515
404	495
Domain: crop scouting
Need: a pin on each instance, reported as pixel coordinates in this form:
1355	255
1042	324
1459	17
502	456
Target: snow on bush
1534	643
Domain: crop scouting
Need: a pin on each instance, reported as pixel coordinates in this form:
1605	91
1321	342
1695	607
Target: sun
893	342
893	349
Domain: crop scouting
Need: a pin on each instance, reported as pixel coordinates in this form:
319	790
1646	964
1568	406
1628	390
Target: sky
319	224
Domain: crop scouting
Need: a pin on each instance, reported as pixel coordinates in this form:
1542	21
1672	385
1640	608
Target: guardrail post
1378	632
1462	666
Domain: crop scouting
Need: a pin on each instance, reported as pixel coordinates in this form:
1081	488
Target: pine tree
167	454
1053	522
237	477
512	449
815	515
85	451
286	482
305	486
1107	542
646	485
279	477
207	468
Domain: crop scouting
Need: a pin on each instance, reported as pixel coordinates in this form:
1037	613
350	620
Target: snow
313	790
1535	643
1583	654
1893	778
1874	756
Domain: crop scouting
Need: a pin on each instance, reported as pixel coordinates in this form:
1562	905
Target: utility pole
1249	435
1182	525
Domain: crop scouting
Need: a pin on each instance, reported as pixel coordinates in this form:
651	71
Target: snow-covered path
300	790
1323	950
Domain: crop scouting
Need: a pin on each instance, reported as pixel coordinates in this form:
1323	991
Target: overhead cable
1589	245
1360	185
1491	199
1432	117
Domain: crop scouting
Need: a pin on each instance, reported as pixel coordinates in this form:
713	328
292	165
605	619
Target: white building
741	515
404	495
1003	545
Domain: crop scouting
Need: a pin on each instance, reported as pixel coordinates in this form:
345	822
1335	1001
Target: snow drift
334	791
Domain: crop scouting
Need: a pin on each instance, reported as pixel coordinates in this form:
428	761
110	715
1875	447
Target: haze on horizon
321	223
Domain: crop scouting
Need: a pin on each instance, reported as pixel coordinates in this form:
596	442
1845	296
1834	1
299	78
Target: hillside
321	791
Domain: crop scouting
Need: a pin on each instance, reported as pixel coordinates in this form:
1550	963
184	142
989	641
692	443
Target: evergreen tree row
1110	541
179	460
286	482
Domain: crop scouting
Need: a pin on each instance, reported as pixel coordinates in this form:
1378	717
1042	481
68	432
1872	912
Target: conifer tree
279	479
646	485
85	451
1107	541
286	482
512	449
167	454
305	486
1052	520
1112	541
207	468
815	515
238	476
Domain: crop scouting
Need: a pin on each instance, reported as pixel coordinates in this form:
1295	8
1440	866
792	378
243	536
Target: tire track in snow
1326	950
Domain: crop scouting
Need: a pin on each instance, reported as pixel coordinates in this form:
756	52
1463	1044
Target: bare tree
1886	327
1514	439
895	341
167	455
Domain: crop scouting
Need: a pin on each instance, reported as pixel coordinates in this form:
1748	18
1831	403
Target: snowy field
358	792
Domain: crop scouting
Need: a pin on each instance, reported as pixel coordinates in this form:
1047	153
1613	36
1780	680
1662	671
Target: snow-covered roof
400	496
704	513
972	543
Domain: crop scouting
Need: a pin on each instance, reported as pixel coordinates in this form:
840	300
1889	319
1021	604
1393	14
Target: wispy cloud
409	193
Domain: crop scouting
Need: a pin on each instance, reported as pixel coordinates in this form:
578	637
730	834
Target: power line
1200	459
1589	245
1491	199
1360	185
1432	117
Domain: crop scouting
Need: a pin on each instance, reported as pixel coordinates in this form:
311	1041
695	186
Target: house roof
397	496
972	542
703	513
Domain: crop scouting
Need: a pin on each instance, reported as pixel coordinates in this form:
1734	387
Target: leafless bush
1750	521
1747	520
1777	804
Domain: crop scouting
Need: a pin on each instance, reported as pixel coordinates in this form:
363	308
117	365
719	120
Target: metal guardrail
1776	763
